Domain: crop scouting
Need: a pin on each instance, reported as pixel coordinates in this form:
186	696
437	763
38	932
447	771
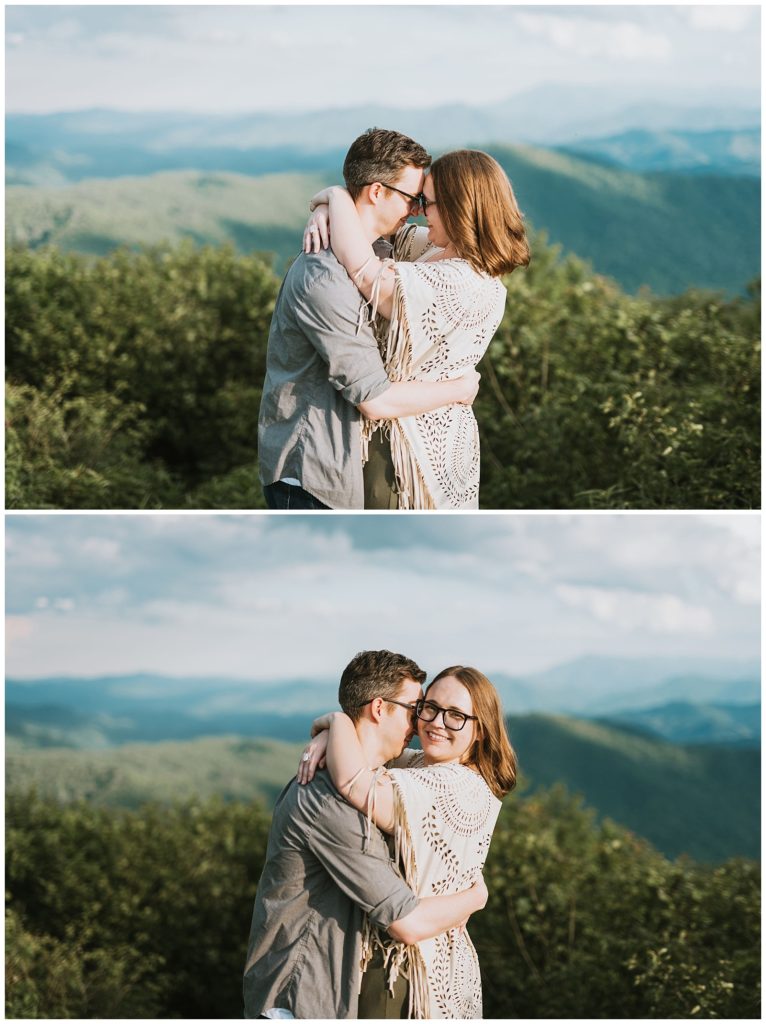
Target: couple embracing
375	855
378	327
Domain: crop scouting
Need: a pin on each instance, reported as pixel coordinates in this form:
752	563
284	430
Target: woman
441	301
440	804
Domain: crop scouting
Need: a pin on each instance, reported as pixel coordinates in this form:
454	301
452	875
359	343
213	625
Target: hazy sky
251	57
266	596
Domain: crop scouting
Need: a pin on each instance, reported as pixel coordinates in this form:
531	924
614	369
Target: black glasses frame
420	705
418	200
388	700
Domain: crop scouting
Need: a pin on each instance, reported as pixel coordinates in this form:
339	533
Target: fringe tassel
371	798
402	959
396	349
411	486
398	958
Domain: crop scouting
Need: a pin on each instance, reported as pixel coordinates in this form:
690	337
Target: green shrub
586	921
135	381
153	906
155	358
147	913
592	398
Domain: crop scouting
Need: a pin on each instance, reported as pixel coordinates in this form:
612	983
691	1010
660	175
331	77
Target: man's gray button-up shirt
305	939
320	365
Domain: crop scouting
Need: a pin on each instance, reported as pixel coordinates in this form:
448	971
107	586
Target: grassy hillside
669	231
128	776
700	800
95	216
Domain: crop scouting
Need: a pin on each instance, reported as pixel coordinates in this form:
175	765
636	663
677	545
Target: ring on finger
305	756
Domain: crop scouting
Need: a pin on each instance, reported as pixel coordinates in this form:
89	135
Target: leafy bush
157	358
146	914
135	382
595	399
150	906
65	450
593	922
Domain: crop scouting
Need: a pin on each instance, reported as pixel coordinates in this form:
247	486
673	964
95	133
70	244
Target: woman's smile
441	744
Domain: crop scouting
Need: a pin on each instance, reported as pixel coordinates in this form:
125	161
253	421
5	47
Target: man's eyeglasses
417	200
427	711
410	707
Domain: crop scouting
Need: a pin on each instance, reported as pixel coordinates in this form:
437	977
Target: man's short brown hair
374	674
380	155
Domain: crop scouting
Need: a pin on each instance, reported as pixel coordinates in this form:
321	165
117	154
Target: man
325	869
323	368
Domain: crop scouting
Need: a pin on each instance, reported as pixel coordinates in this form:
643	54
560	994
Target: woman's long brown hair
479	211
491	752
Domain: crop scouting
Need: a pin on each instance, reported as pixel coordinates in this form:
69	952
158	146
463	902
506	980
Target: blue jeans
287	496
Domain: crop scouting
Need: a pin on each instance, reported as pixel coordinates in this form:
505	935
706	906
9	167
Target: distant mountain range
93	713
699	800
652	191
53	148
670	231
717	152
597	686
683	722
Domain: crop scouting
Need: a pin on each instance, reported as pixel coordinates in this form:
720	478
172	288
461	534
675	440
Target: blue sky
224	58
269	597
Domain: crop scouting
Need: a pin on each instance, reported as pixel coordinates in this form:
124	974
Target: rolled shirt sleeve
331	321
368	877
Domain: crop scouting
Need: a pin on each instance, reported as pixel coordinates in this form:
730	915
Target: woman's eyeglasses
427	711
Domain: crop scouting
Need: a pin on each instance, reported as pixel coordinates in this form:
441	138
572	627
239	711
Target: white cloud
264	597
17	627
594	37
112	597
732	18
629	610
30	552
105	549
227	58
64	31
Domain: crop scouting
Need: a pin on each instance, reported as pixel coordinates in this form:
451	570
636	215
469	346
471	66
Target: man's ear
374	192
376	709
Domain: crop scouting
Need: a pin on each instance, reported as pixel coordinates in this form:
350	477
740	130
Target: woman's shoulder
472	783
449	776
460	275
478	279
410	757
454	793
460	298
411	243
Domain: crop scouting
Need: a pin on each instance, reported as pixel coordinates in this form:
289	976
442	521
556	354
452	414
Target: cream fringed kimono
444	316
444	816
